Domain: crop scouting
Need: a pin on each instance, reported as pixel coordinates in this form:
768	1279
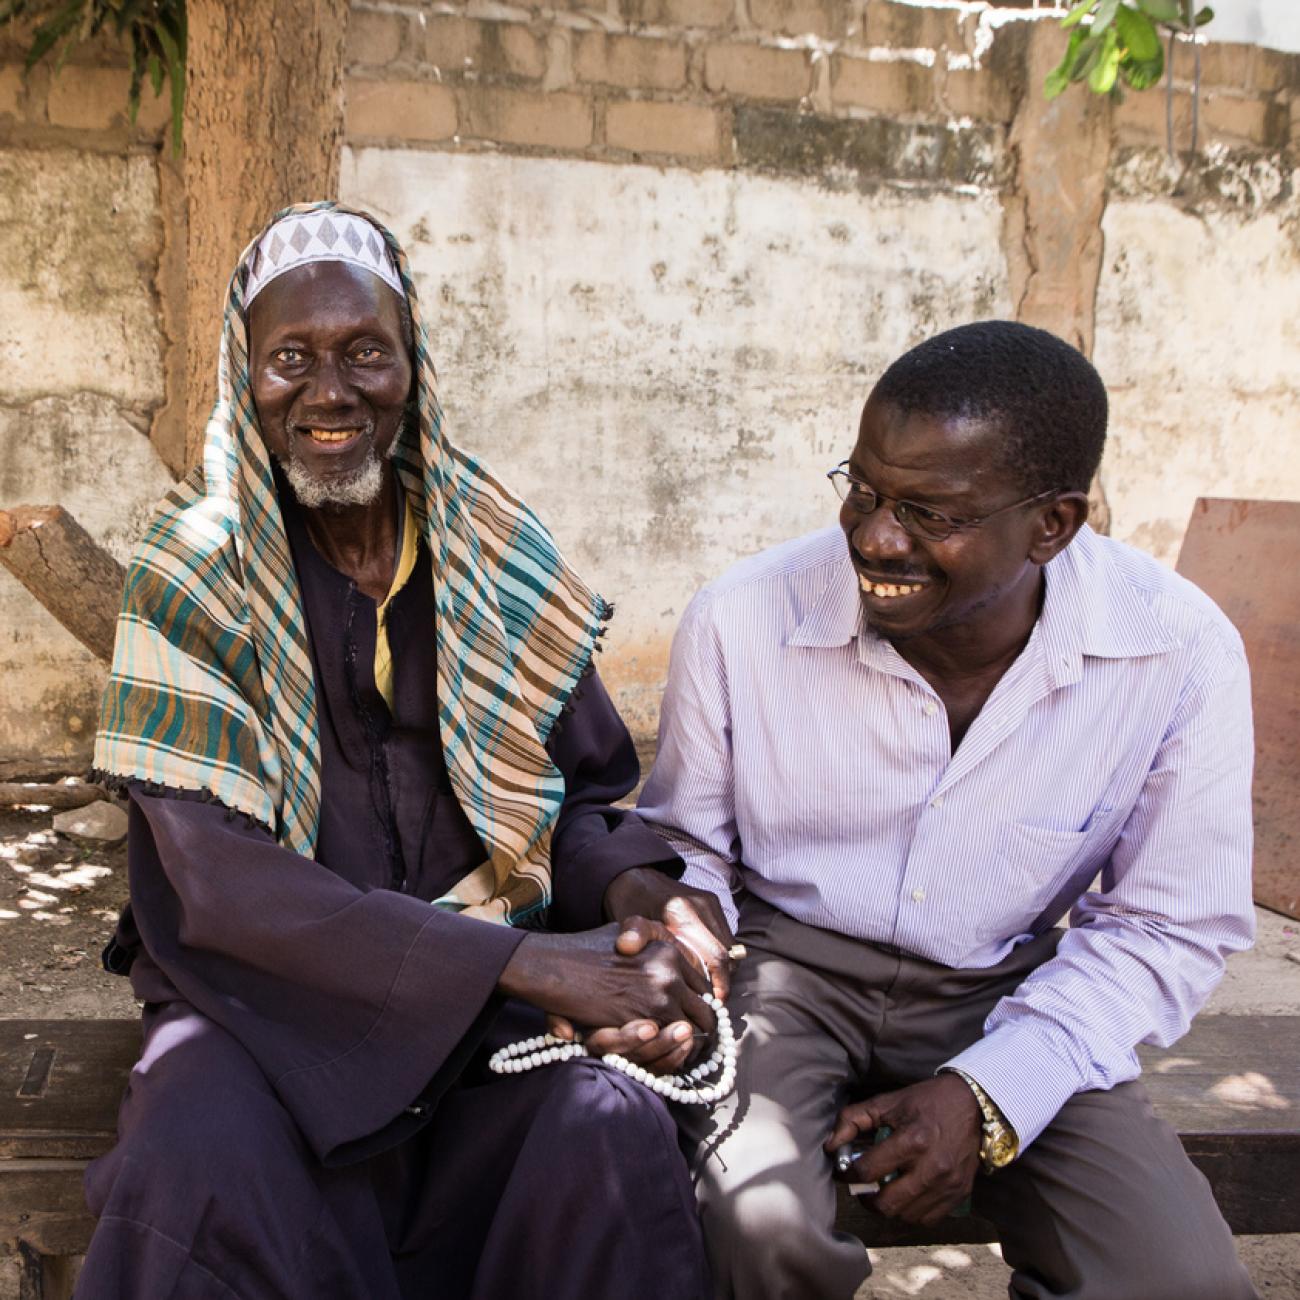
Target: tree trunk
1054	219
78	581
263	129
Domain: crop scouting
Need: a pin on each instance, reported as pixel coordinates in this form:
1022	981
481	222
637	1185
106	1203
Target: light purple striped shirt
801	757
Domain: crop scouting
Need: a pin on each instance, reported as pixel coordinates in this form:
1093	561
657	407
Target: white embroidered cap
324	236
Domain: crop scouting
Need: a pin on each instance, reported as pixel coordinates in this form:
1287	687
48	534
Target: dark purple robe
312	1114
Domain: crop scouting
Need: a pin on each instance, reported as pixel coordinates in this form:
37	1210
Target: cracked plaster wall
1198	337
666	362
80	375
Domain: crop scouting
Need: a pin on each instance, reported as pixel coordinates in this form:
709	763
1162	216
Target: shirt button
931	708
918	895
937	801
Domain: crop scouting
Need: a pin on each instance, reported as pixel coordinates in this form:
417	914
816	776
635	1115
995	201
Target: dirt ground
58	903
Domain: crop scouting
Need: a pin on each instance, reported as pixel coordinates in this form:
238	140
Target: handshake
637	987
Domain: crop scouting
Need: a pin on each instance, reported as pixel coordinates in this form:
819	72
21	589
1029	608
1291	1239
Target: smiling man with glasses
900	752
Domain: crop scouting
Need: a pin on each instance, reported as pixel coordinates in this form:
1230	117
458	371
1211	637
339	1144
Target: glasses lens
920	522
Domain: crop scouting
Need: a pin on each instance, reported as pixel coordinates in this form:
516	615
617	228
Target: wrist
622	894
999	1143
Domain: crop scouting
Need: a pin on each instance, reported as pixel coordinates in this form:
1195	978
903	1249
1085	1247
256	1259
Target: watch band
999	1144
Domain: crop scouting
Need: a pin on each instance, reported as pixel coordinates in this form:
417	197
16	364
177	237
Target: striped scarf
211	687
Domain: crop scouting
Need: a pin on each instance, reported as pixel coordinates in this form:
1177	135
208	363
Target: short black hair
1046	397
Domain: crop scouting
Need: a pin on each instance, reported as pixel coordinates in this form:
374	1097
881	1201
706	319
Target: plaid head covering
211	686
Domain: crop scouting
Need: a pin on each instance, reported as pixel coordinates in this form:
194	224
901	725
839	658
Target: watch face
1001	1149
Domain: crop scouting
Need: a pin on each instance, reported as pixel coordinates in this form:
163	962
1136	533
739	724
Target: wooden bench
1232	1088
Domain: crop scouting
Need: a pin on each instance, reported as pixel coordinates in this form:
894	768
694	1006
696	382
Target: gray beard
360	487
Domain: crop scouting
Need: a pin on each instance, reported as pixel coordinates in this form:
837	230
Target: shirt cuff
1026	1077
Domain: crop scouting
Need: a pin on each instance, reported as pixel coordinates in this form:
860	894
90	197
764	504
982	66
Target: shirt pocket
1034	864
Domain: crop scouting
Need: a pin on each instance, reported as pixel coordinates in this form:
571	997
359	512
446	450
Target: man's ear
1057	522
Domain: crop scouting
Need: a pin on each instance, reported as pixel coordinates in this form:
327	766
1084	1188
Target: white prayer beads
689	1088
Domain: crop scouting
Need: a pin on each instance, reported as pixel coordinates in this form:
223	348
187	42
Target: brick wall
687	82
678	81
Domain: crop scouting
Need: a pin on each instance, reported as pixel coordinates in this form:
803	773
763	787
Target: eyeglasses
922	522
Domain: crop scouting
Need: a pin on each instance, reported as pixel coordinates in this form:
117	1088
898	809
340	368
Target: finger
699	1013
859	1117
559	1027
889	1157
689	928
667	1052
635	935
621	1040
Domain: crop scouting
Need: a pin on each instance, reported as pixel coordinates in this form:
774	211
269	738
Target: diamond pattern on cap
317	237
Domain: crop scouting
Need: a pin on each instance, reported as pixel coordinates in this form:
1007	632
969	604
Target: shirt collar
1092	609
835	615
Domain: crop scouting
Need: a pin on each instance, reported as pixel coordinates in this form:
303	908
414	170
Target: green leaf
1076	14
172	52
52	30
1163	11
1138	35
1142	76
1104	16
1102	78
1085	58
1055	82
155	70
1204	16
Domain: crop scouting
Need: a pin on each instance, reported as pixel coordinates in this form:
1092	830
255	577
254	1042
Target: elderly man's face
331	376
968	580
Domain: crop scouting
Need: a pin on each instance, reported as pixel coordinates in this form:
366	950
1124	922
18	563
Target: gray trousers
1103	1205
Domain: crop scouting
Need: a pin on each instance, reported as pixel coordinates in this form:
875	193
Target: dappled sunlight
1250	1091
934	1271
41	872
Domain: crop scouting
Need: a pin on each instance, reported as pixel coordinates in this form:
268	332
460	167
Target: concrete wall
666	246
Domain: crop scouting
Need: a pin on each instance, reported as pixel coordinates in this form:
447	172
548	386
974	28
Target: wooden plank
1239	553
60	1085
1231	1086
1229	1072
42	1207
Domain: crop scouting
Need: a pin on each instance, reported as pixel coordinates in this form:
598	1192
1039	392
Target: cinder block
799	17
555	121
911	27
680	13
1234	118
495	49
374	39
522	53
1140	118
1222	64
400	110
452	44
686	130
88	99
979	93
630	61
757	71
11	89
900	87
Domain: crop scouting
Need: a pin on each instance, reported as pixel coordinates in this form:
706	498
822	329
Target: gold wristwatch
999	1145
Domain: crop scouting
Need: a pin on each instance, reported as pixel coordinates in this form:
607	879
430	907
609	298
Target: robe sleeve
361	1007
594	841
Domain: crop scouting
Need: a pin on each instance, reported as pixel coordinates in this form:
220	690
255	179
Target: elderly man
898	752
353	705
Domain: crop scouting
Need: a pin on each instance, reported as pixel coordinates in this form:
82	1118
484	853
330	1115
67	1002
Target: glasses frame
910	524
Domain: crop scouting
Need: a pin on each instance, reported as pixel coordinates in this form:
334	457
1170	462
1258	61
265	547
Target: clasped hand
627	984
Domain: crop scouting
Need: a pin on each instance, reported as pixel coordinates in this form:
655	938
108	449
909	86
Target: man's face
331	376
966	582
